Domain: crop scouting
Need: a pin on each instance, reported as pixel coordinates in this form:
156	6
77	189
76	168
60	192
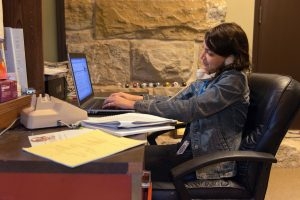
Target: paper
127	120
55	68
121	132
55	136
54	71
83	148
129	123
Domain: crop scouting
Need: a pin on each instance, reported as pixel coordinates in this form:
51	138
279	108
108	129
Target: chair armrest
152	137
189	166
202	161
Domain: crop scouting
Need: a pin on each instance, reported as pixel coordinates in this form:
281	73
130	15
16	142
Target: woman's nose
202	55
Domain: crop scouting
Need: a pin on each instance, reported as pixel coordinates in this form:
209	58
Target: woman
215	110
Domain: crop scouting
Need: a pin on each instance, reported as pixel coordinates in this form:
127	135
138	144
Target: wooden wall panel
27	14
61	31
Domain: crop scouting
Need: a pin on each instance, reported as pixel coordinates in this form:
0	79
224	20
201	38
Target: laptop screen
81	76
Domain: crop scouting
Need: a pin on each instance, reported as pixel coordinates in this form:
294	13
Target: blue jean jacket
215	116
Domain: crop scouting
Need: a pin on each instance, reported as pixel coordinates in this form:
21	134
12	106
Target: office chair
274	102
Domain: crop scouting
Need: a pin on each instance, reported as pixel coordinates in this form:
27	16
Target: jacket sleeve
222	91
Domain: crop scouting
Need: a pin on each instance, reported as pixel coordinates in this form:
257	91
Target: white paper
54	71
121	132
127	120
46	138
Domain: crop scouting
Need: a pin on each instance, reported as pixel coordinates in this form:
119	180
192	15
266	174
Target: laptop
84	89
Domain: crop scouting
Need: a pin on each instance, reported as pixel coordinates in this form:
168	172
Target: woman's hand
121	100
127	96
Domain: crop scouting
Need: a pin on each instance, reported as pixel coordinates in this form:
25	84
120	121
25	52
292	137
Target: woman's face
211	61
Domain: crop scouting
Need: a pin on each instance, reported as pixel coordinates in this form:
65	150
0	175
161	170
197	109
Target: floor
284	184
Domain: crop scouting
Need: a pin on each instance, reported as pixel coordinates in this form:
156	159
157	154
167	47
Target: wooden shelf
11	110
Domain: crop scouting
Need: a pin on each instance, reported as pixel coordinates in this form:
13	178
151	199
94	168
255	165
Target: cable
2	132
73	126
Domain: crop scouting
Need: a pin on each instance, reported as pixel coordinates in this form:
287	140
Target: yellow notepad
84	148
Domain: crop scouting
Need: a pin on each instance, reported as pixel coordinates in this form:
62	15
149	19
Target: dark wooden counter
120	172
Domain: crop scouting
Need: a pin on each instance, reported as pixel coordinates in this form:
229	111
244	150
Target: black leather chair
274	102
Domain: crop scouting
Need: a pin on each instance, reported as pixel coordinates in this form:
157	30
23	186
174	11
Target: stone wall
140	40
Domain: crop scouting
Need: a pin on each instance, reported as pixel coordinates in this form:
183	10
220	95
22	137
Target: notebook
84	89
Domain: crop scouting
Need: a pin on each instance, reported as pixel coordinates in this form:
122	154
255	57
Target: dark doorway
276	40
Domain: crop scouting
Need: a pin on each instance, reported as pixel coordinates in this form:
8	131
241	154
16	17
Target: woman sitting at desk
215	110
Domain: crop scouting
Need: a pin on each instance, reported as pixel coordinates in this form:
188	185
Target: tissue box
8	90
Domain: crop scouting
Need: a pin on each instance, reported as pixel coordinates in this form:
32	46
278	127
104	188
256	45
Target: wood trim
255	51
61	31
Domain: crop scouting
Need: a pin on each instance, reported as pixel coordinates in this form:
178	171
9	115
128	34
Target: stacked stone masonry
140	40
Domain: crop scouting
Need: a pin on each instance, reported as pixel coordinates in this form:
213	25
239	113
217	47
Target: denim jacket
215	115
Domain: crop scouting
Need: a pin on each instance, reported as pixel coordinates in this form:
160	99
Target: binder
129	124
15	56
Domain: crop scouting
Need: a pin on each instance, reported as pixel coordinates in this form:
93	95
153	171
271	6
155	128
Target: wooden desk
25	176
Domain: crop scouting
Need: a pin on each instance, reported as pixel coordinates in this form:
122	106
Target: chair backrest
274	102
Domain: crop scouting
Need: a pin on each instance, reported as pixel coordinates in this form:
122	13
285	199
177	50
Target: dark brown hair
229	39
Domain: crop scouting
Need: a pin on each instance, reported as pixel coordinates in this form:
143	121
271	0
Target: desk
28	177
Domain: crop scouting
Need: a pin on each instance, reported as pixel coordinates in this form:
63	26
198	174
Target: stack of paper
55	68
129	123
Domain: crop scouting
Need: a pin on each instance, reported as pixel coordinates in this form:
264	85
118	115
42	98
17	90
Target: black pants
160	159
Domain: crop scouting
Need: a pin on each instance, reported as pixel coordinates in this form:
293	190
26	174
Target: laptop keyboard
95	104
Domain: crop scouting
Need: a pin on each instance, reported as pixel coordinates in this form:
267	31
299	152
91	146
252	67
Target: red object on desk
8	90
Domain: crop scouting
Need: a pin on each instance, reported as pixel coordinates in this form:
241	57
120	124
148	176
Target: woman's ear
229	60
